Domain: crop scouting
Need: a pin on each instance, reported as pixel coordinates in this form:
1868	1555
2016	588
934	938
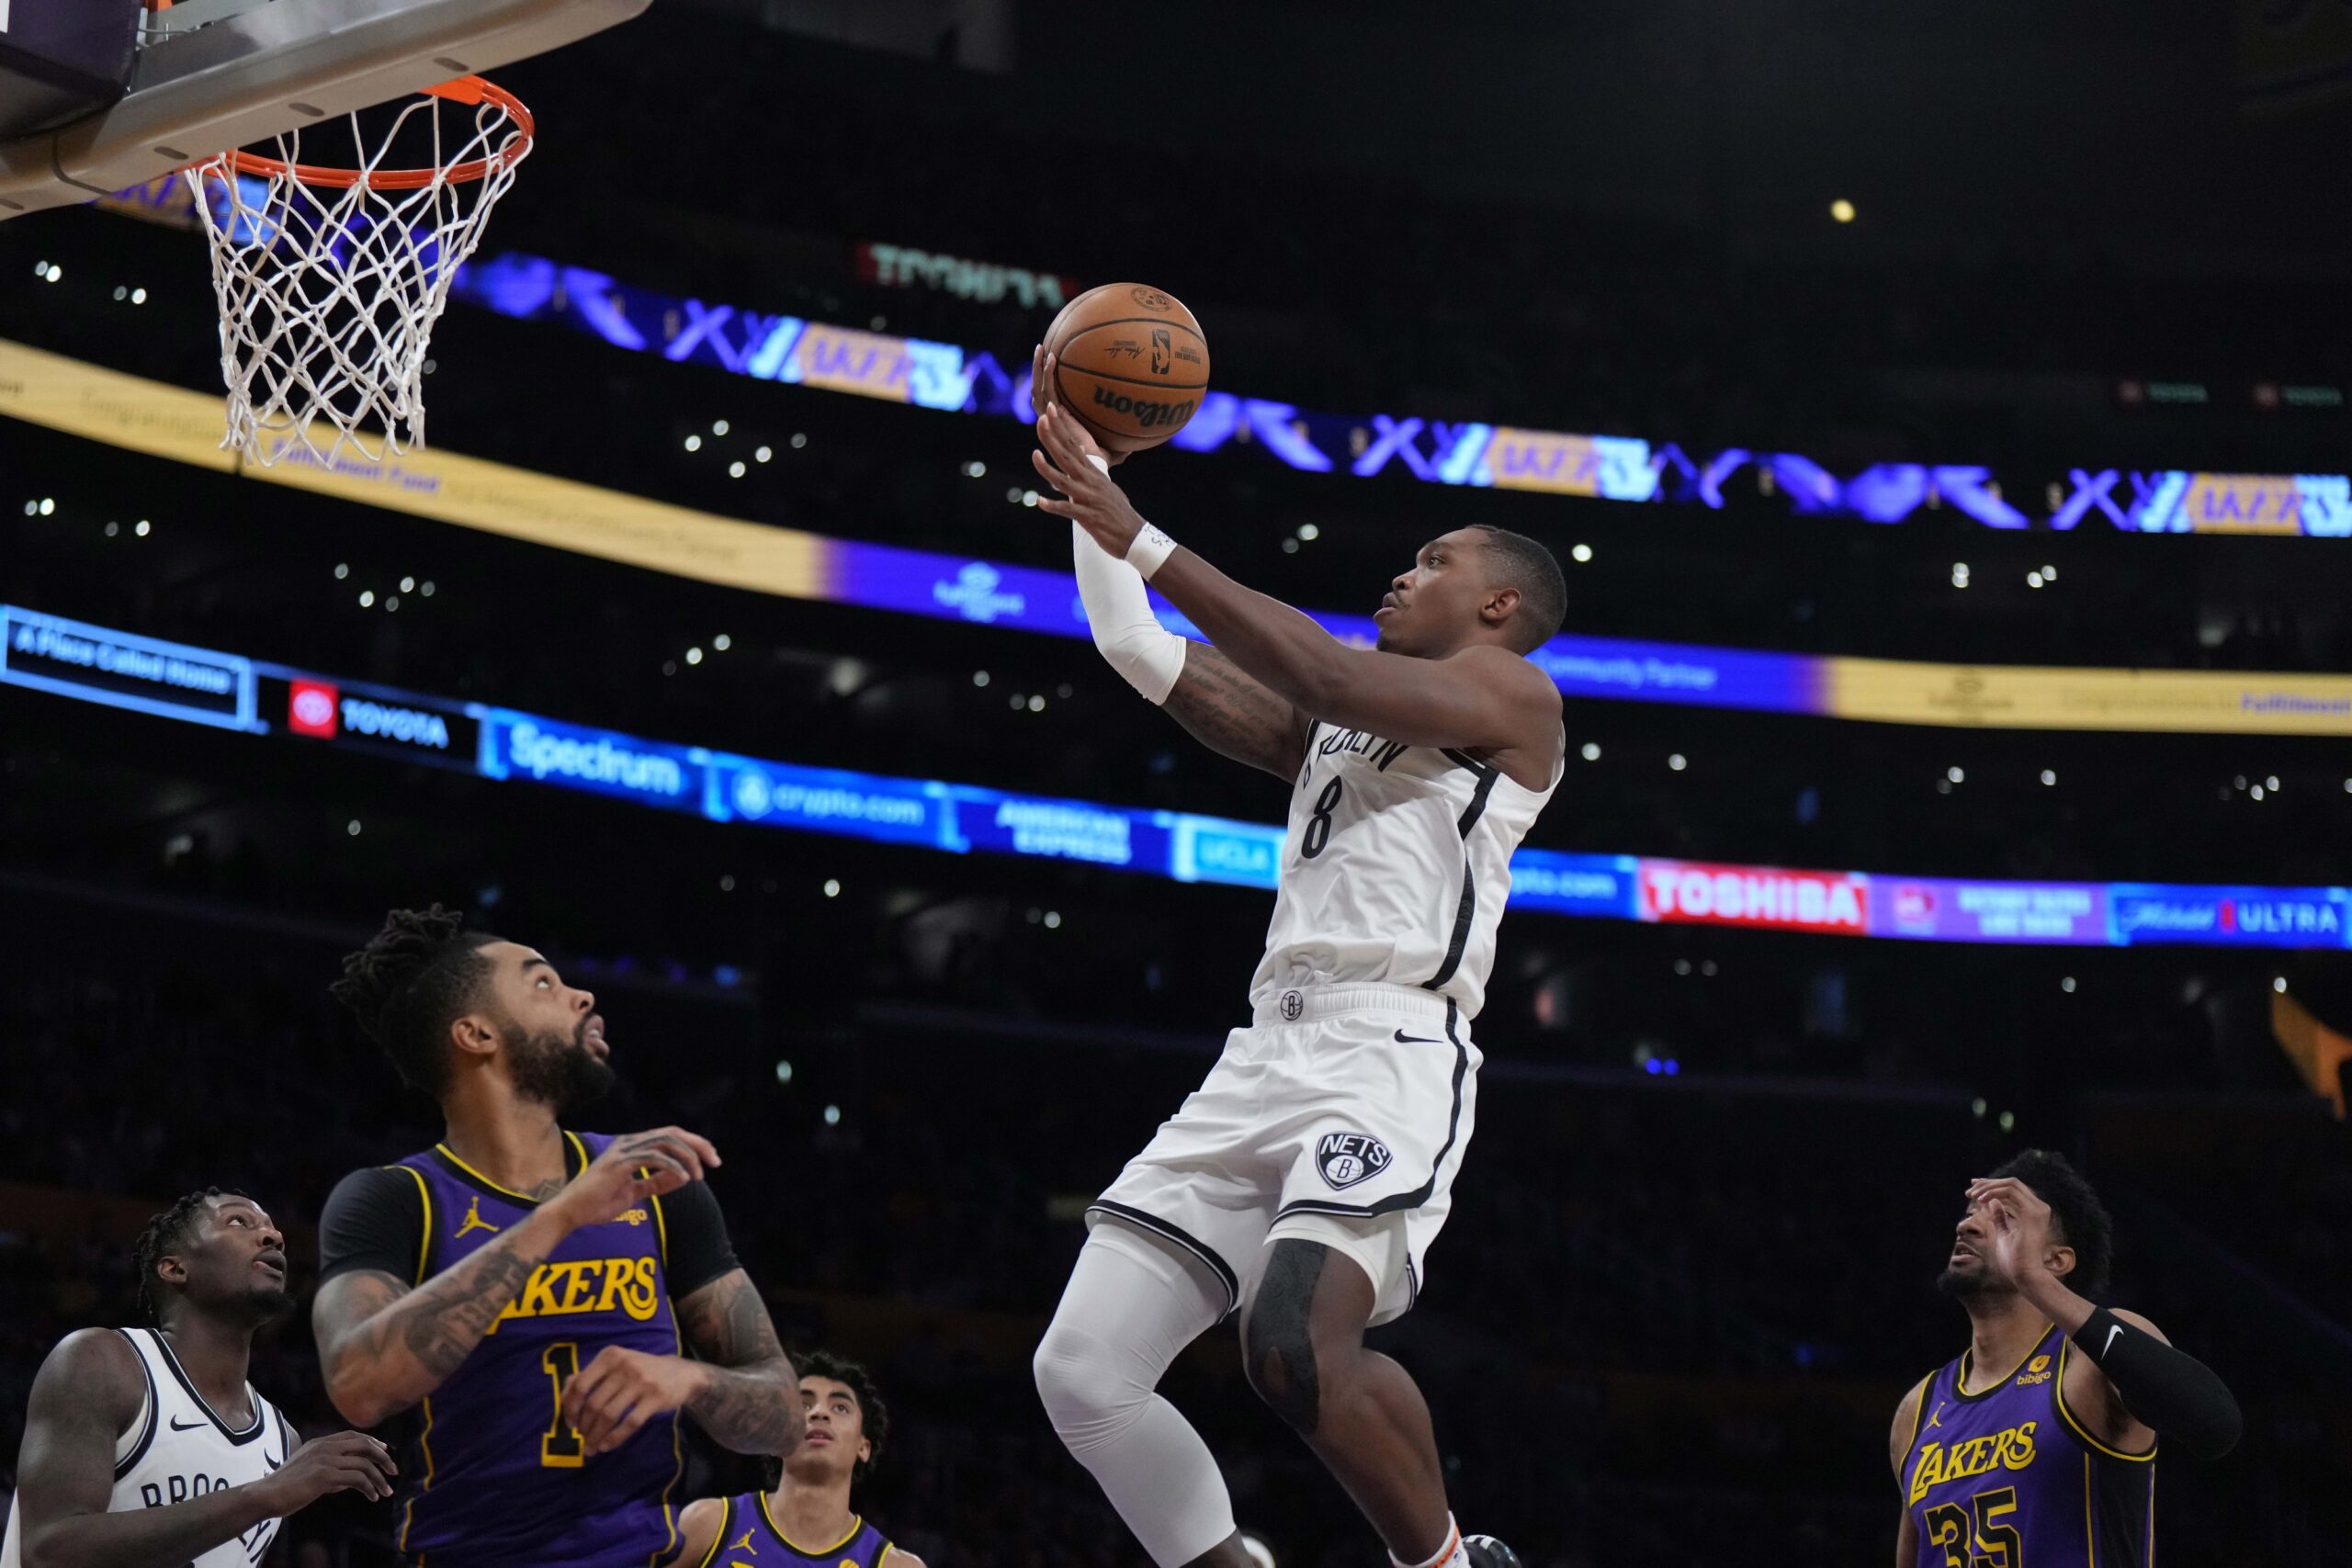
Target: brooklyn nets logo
1293	1005
1346	1158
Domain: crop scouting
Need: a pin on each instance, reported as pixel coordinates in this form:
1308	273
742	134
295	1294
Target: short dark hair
1528	566
167	1233
873	1414
2082	1221
413	979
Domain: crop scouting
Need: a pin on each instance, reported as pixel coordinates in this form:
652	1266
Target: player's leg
1302	1336
1132	1304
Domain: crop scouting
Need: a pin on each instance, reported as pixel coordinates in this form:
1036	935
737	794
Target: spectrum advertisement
95	665
946	376
558	514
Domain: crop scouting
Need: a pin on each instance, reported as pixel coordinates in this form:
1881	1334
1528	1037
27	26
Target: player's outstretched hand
346	1461
1041	392
633	1168
621	1389
1070	460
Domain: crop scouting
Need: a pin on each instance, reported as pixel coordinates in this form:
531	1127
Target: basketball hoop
330	278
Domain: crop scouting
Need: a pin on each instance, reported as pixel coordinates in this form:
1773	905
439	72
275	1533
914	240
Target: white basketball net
329	292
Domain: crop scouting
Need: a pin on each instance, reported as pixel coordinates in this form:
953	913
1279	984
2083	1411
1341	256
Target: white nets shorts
1340	1116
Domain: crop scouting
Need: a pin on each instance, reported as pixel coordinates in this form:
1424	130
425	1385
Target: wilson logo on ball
1149	412
1346	1158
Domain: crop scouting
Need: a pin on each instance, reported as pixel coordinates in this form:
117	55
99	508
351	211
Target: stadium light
1842	210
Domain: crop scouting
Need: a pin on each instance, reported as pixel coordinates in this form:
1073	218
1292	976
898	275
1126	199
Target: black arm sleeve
699	1250
2172	1390
374	1220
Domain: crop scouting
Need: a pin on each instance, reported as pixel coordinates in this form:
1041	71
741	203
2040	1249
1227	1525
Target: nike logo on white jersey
1404	1039
2113	1331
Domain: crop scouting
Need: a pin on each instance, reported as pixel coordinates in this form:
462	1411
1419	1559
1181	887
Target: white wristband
1148	550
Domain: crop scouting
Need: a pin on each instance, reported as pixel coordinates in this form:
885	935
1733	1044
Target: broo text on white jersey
177	1448
1395	868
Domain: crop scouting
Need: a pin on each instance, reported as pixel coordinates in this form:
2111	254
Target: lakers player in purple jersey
528	1291
2038	1446
804	1520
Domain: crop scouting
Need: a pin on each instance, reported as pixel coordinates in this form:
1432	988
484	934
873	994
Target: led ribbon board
947	375
168	421
95	665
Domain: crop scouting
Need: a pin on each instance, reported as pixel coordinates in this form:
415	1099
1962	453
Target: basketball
1130	362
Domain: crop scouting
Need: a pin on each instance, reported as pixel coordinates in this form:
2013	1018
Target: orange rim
464	90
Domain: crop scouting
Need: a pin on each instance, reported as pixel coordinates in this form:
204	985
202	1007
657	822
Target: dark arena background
1941	420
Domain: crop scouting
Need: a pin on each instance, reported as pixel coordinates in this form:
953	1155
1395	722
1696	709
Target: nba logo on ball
1346	1158
310	709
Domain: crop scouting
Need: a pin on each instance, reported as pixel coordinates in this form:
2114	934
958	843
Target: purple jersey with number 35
2006	1477
496	1476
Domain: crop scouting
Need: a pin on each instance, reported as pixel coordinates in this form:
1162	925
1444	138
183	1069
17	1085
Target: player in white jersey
1304	1182
147	1448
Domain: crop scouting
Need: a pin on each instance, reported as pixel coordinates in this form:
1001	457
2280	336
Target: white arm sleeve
1146	654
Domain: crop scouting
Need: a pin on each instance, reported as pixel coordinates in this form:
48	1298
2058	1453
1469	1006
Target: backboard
203	76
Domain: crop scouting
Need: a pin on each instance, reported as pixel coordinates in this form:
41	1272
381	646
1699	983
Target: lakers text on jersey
2007	1474
495	1474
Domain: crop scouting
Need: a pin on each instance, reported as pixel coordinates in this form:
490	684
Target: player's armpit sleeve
699	1250
2175	1394
374	1220
1146	655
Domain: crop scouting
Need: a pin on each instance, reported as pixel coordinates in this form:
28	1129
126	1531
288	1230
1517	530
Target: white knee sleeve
1131	1305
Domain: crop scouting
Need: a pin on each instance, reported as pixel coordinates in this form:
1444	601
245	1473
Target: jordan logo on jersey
474	1222
745	1545
1346	1158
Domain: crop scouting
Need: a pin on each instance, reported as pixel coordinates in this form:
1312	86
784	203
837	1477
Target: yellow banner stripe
168	422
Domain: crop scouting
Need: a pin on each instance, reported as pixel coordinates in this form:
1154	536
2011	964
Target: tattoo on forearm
751	1404
445	1319
440	1322
753	1410
1233	714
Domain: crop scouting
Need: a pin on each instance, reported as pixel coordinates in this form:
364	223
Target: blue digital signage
88	663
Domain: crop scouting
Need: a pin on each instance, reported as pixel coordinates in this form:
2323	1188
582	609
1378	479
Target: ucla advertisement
95	665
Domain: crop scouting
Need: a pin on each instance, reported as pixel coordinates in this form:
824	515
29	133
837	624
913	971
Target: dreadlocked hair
410	983
166	1234
873	1414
